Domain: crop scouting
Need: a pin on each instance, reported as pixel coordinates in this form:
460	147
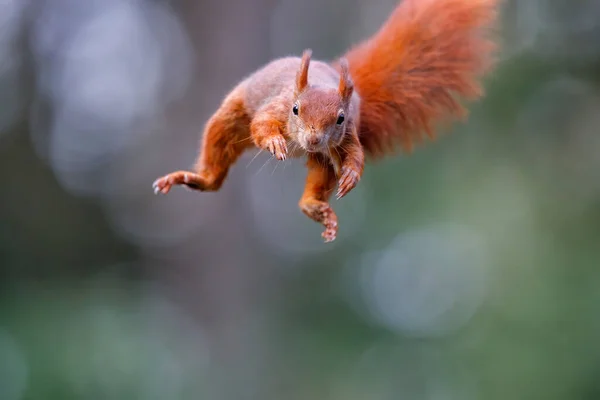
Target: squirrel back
413	72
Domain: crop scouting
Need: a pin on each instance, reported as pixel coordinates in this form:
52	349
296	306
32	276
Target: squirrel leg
267	128
225	138
353	163
320	183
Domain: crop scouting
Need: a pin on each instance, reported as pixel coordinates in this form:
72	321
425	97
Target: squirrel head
319	116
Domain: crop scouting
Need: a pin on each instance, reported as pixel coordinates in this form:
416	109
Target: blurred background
468	270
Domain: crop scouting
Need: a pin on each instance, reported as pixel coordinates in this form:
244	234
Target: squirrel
383	95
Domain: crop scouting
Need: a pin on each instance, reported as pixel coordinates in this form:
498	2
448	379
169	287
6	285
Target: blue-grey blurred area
467	270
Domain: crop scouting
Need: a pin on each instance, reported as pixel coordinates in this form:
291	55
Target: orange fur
413	71
320	183
385	92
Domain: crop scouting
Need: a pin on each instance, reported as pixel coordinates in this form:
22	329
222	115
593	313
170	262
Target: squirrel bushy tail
413	72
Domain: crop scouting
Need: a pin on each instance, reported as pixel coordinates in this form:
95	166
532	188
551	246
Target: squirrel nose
313	140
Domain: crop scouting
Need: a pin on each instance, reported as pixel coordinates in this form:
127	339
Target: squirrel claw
347	182
277	147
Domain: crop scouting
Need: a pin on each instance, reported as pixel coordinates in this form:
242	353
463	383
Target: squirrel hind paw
162	185
329	234
187	179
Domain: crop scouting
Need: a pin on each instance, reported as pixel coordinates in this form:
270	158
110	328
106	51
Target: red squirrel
382	95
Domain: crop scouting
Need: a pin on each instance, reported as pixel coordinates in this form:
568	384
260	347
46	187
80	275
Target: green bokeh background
88	313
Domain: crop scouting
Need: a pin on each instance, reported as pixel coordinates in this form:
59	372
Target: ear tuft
346	87
302	74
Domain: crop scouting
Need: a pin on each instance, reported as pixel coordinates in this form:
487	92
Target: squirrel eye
295	109
340	119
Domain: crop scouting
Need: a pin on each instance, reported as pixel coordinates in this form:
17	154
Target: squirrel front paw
347	182
277	146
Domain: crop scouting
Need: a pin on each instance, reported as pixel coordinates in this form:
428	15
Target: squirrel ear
346	87
302	75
